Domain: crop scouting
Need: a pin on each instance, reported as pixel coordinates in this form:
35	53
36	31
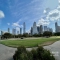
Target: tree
47	33
36	35
6	35
57	34
25	35
19	35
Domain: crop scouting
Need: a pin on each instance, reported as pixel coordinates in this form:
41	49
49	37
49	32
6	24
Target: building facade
41	29
24	28
38	29
45	28
35	28
20	30
57	28
8	30
31	30
14	31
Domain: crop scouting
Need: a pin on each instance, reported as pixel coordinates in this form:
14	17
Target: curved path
54	49
6	53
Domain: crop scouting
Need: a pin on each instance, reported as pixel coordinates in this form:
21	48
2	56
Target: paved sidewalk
54	49
6	53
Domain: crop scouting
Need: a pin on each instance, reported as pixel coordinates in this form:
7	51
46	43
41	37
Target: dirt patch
47	43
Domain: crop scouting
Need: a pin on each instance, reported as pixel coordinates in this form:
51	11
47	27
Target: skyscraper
51	30
17	32
1	33
8	30
20	30
35	28
14	31
45	28
56	27
31	30
41	29
38	29
24	28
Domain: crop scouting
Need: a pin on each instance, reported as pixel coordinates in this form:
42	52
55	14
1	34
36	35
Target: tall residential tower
24	28
35	31
8	30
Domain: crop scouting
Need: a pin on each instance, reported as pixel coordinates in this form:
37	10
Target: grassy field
30	42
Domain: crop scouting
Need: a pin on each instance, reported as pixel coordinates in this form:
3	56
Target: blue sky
14	12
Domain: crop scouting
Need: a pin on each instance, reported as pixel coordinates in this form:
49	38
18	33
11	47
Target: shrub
35	54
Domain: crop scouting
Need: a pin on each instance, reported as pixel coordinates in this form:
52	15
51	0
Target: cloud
46	10
2	14
58	8
8	23
59	1
53	15
19	21
34	1
43	22
32	9
28	31
16	24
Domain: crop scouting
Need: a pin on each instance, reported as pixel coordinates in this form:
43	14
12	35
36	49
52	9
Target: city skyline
33	30
12	15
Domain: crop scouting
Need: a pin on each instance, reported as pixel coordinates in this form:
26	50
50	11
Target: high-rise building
57	28
41	29
35	28
8	30
17	32
45	28
38	29
1	33
48	29
24	28
14	31
51	30
31	30
20	30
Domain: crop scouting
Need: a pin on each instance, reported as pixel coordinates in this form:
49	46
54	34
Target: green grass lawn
29	42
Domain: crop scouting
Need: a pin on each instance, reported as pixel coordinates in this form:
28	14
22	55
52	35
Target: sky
14	12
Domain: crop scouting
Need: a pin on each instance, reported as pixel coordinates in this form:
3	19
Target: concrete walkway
6	53
54	49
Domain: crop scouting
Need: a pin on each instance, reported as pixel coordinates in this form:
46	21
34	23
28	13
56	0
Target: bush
35	54
47	33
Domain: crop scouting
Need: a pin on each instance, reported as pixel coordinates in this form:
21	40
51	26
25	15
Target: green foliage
47	33
37	35
57	34
25	35
35	54
6	35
